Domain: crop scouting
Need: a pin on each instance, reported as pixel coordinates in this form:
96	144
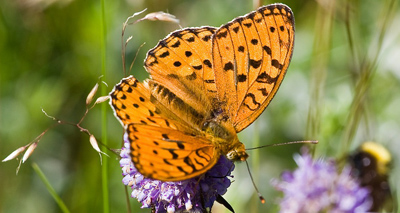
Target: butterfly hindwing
169	155
250	56
158	149
131	103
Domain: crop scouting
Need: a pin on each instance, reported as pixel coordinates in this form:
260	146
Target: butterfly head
238	153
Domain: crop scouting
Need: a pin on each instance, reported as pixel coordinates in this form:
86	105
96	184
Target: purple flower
189	195
317	186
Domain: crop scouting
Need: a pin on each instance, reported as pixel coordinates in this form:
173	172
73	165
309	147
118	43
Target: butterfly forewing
169	155
248	74
180	63
181	75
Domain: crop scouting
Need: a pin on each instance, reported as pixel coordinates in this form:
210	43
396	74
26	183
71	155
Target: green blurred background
342	88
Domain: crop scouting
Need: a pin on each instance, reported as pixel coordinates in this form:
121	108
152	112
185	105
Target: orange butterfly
206	84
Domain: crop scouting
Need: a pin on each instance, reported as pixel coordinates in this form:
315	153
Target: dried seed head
14	154
102	99
160	16
89	98
29	152
94	144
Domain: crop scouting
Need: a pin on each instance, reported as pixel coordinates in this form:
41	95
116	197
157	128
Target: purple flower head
317	186
192	195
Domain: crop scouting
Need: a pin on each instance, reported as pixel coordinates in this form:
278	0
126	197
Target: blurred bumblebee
371	164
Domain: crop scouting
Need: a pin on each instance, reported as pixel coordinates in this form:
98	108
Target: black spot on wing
242	78
263	91
207	63
199	163
199	67
175	76
176	44
165	136
258	20
151	120
253	99
222	34
265	78
276	64
180	145
251	15
177	63
191	39
167	162
164	54
267	49
272	29
207	38
203	155
255	64
248	25
192	76
172	152
189	162
181	169
188	53
228	66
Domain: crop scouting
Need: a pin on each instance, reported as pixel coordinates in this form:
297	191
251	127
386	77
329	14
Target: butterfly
206	84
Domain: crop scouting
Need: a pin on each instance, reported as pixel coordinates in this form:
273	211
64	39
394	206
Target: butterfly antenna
124	43
286	143
137	52
254	184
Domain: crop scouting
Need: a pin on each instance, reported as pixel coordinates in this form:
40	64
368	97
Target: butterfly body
213	124
224	136
206	84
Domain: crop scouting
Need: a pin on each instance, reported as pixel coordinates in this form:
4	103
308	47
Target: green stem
104	172
321	48
53	193
255	157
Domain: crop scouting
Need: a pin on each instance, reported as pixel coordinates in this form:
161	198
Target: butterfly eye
231	155
236	155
